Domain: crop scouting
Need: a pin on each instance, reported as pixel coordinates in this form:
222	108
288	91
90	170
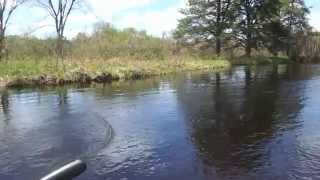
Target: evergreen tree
294	18
209	21
252	16
251	24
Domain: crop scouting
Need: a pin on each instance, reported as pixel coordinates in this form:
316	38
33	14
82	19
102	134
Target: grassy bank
46	72
108	54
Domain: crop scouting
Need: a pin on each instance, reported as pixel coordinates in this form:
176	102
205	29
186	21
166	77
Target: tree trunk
219	31
249	39
2	46
290	29
248	43
60	47
249	30
248	48
289	42
218	46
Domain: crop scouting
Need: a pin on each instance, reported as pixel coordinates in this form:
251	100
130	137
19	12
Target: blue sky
154	16
315	13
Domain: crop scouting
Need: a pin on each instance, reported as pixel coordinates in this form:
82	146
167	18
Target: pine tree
250	24
294	18
209	21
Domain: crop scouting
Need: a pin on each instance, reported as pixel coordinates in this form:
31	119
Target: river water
246	123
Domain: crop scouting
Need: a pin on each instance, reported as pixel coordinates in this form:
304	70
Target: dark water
247	123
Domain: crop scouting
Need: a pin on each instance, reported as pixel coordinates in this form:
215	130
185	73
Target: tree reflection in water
235	115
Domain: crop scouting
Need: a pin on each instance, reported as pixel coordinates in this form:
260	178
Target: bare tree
59	10
7	8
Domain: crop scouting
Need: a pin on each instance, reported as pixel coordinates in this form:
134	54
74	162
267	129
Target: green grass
119	68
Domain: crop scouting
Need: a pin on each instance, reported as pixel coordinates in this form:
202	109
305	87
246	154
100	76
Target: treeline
250	25
108	42
230	27
105	42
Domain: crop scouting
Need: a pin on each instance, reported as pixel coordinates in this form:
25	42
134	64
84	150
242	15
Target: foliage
207	21
124	54
24	47
107	42
250	24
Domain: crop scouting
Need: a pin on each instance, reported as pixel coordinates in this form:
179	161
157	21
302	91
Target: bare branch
7	8
60	11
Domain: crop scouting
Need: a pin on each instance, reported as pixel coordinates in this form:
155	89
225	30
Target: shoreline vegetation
260	60
17	73
107	55
227	35
47	73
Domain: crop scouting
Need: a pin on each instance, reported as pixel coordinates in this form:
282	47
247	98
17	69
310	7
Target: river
246	123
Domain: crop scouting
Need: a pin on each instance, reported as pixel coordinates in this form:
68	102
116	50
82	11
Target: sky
153	16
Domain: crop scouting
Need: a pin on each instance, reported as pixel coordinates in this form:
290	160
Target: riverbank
259	60
14	73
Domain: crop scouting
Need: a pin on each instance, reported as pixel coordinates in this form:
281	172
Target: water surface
246	123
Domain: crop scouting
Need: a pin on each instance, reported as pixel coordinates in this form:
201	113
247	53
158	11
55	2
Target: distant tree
275	36
294	18
273	24
251	24
7	9
252	15
59	10
81	37
208	21
294	15
247	25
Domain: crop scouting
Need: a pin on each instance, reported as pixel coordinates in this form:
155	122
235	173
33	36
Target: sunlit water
246	123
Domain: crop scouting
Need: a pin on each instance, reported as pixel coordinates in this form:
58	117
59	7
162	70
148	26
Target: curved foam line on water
109	136
110	133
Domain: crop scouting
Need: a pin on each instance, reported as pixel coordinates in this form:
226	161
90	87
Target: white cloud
107	9
124	13
154	22
314	20
314	15
121	13
140	14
